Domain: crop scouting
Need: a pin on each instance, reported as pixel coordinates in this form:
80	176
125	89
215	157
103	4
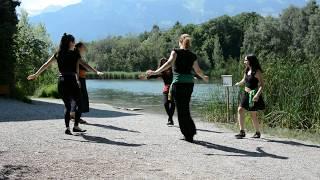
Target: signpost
227	82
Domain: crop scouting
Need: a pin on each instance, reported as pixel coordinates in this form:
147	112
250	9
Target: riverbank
138	145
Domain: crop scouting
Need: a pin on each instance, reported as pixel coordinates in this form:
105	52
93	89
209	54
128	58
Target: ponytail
64	43
185	40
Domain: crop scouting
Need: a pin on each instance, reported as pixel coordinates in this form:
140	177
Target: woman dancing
183	62
68	84
167	77
81	49
252	100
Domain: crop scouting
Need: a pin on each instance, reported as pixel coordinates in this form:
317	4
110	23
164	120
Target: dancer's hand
32	77
256	98
206	79
150	73
100	73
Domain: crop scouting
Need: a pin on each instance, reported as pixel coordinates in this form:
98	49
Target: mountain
96	19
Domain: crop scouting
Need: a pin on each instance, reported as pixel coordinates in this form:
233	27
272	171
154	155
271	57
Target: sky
35	7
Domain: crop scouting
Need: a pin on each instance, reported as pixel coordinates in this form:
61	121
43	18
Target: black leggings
168	105
182	96
70	91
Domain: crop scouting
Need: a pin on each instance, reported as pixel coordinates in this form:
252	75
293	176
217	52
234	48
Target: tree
217	54
9	20
32	48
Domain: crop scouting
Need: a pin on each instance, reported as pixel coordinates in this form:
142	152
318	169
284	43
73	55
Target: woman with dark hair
183	62
167	77
80	48
68	84
251	100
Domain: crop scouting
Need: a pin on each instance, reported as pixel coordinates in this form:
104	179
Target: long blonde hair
185	40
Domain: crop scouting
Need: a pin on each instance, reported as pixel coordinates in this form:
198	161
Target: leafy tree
9	20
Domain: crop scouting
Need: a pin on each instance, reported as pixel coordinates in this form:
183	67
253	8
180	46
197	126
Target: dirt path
137	145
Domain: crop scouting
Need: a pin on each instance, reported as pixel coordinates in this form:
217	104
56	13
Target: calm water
144	94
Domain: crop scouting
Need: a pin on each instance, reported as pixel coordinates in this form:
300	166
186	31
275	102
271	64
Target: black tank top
67	62
167	76
251	81
184	61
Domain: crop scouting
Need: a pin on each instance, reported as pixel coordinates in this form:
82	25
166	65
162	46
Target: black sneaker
189	139
78	130
68	132
241	135
170	122
257	135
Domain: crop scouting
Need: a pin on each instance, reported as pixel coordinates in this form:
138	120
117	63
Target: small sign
227	80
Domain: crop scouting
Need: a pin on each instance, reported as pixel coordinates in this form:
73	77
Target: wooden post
228	105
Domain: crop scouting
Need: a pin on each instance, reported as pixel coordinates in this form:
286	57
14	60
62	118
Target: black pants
70	91
182	96
84	98
168	105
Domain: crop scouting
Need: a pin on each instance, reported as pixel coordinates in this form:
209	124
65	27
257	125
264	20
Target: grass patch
48	91
115	75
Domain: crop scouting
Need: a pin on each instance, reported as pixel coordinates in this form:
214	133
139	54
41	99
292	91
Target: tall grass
292	95
115	75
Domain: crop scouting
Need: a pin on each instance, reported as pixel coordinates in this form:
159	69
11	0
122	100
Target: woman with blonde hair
183	61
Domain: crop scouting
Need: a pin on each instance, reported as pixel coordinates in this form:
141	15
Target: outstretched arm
42	68
199	72
88	67
166	66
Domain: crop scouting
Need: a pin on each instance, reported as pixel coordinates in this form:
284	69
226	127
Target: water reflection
146	94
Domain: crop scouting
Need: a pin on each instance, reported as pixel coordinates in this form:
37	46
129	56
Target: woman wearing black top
80	48
68	85
169	104
252	98
183	62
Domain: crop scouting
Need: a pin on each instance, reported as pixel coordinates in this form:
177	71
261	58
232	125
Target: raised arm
88	67
42	68
166	66
199	72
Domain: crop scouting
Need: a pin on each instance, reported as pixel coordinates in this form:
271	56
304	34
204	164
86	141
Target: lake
146	94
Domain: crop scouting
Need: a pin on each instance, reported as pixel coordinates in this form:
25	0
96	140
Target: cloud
195	6
34	7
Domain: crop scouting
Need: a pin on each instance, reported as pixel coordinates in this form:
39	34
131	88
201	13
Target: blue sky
35	7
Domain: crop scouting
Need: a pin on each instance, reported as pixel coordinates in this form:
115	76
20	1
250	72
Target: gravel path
137	145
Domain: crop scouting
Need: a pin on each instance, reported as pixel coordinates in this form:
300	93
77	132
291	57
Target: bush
48	91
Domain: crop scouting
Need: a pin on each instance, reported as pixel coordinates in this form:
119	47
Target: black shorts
260	105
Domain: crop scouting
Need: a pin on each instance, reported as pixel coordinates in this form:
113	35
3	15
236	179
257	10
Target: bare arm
199	72
167	65
240	83
42	68
258	75
88	67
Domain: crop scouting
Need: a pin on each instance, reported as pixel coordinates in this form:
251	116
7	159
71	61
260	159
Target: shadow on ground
17	111
203	130
102	140
113	128
16	172
238	152
293	143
